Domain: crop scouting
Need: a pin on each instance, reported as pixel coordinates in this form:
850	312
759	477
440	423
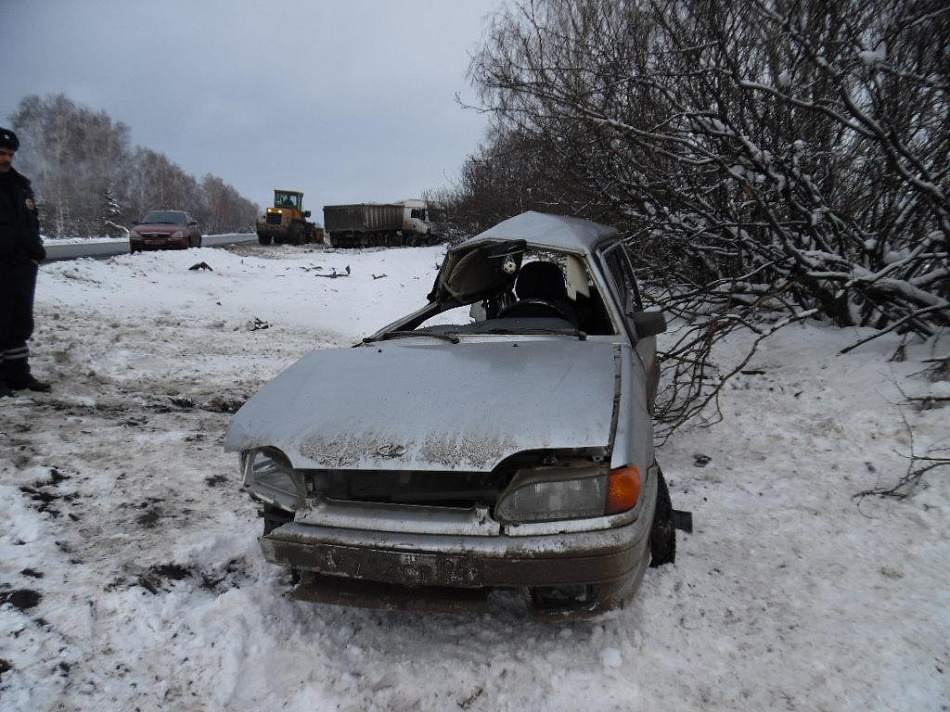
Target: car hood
395	405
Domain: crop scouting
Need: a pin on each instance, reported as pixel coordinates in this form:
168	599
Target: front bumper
370	566
466	562
272	230
158	243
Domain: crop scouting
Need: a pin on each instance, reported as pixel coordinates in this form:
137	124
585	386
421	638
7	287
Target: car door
623	283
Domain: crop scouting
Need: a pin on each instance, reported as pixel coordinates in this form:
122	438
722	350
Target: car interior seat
541	282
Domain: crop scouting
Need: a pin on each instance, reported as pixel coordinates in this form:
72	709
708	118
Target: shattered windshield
504	287
472	272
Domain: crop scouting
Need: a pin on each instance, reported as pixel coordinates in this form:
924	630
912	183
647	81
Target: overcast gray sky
347	101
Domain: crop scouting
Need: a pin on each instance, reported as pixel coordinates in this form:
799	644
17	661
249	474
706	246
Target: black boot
18	377
31	384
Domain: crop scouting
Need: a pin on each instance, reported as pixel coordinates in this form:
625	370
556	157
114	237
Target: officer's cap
8	140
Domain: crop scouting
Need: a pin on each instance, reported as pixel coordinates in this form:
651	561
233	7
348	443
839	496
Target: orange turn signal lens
623	489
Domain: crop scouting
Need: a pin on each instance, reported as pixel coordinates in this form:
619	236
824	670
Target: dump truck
370	224
287	221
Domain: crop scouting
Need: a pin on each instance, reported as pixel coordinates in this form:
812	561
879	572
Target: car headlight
269	477
178	234
570	491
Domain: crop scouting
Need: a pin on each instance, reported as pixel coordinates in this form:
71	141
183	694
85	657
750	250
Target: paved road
100	250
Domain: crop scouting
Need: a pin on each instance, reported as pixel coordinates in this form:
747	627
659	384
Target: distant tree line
89	179
771	160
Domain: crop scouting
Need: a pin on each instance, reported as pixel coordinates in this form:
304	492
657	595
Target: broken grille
445	489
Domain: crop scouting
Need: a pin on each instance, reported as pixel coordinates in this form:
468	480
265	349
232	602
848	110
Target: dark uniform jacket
20	241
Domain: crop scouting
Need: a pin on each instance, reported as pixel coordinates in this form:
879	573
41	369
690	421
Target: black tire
298	234
264	239
200	240
663	532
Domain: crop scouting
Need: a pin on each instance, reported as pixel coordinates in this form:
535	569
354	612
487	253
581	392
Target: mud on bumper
592	571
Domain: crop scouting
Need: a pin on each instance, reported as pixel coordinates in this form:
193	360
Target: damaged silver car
500	437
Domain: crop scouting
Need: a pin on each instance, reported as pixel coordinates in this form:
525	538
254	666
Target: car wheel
663	532
264	239
299	234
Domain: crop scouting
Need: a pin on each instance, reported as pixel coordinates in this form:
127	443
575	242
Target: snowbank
132	578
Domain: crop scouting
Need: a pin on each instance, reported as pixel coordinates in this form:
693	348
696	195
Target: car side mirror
649	323
306	213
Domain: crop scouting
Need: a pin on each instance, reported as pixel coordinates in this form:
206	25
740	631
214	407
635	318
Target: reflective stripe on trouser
20	353
15	366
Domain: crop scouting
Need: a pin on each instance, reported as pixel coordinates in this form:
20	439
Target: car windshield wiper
564	332
402	334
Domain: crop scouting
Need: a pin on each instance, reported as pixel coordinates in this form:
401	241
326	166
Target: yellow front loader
287	221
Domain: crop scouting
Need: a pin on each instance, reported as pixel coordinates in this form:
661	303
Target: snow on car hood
412	404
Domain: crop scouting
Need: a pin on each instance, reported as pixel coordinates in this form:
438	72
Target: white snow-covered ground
131	576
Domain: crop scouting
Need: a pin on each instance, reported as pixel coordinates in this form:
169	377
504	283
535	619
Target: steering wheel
532	305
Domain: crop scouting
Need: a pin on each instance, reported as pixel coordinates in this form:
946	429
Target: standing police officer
21	251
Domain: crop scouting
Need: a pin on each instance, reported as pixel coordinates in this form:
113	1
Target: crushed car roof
545	230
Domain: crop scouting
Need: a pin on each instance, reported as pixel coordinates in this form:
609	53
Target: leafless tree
772	160
222	208
88	176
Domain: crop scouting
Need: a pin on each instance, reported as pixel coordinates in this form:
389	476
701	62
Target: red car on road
165	229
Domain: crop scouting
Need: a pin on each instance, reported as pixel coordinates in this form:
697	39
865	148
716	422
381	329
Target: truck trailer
371	224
